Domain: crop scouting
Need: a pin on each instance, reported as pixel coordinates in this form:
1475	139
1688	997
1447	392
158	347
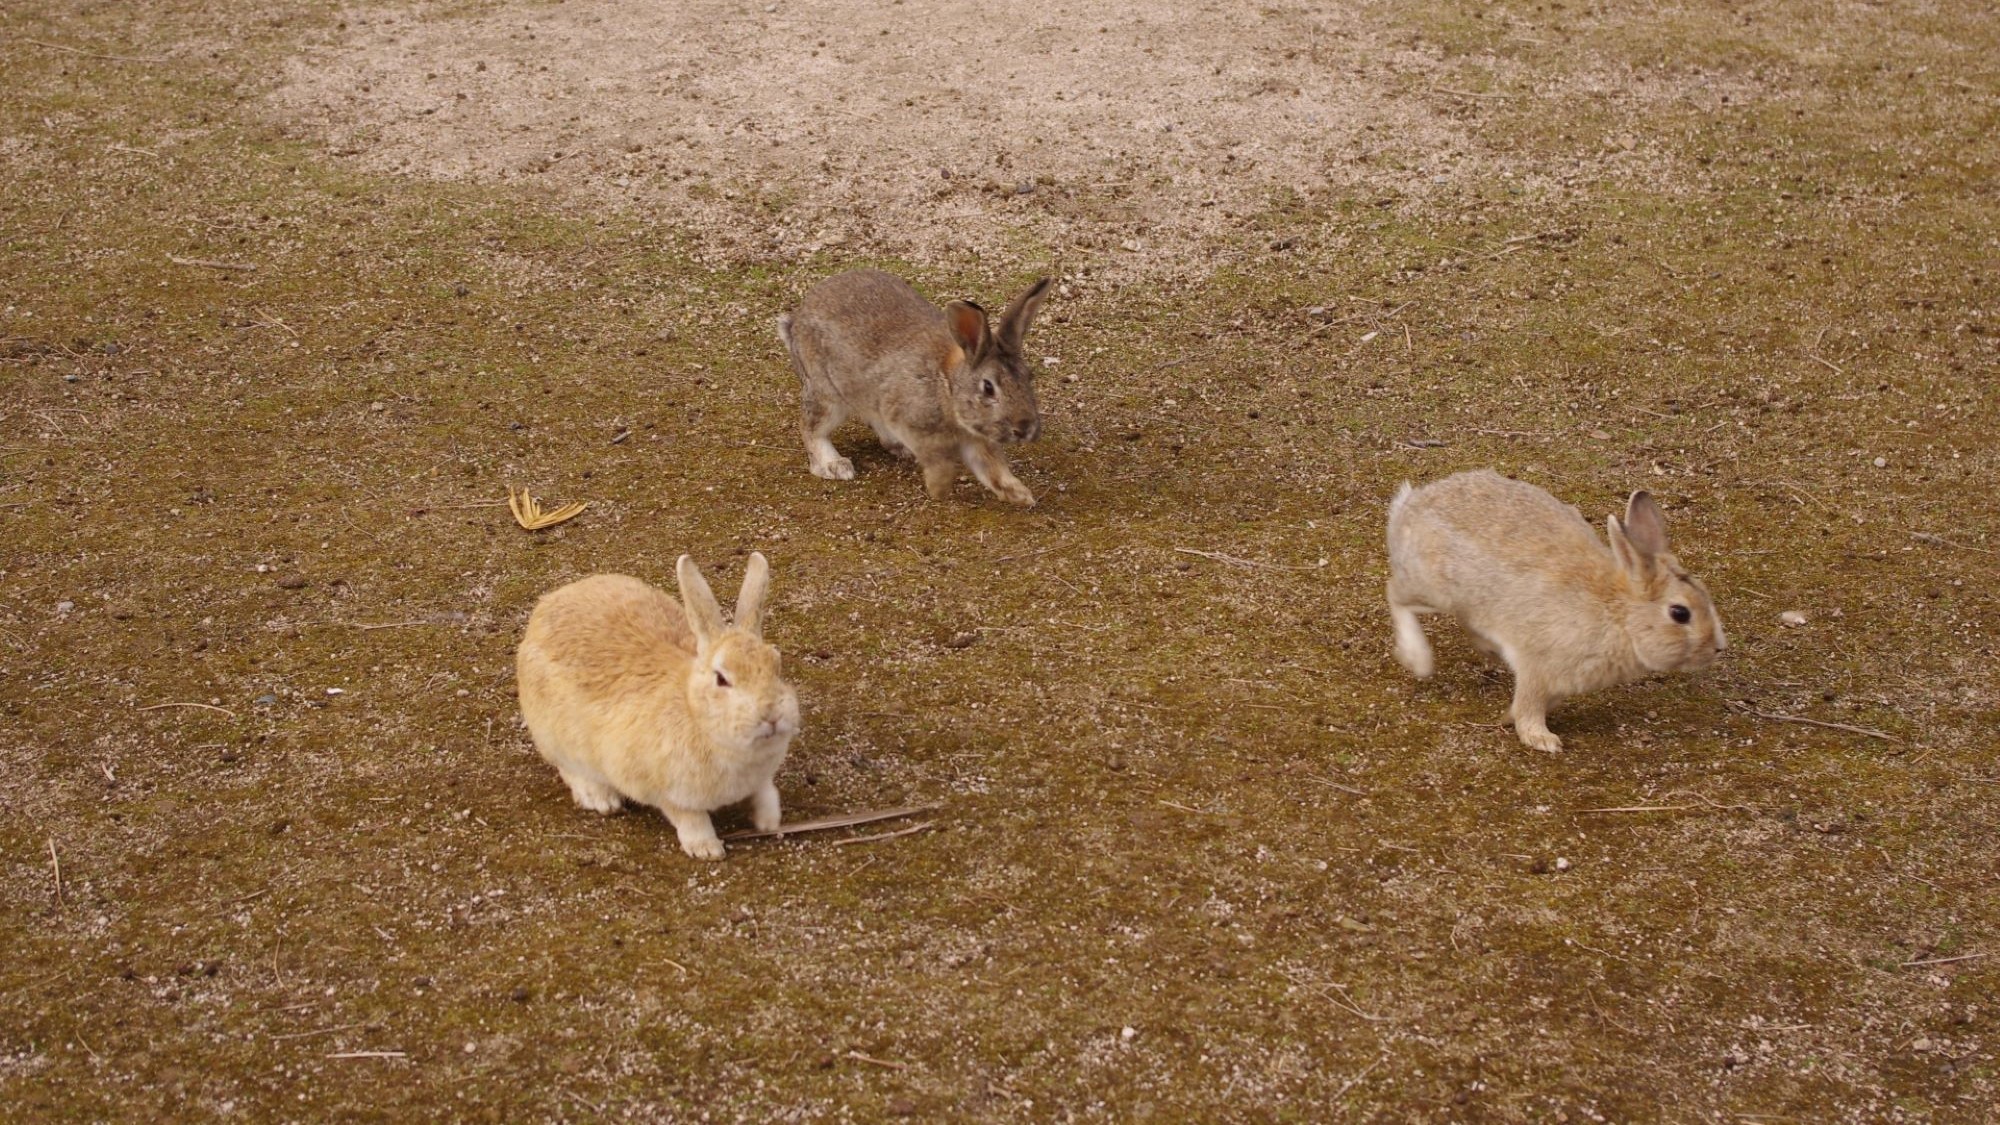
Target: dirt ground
274	847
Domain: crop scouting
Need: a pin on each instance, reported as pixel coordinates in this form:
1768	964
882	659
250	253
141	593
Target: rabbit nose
1028	430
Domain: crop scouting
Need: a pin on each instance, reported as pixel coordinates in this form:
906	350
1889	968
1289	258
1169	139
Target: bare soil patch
1137	136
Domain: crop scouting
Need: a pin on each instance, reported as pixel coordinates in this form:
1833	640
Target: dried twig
871	1060
1636	808
1248	564
826	822
1471	94
93	54
210	263
320	1031
367	1055
529	514
1341	1001
203	706
56	862
1941	960
1777	718
914	828
1337	785
1941	541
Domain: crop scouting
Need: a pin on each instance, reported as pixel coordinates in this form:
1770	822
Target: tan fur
865	345
1535	589
618	687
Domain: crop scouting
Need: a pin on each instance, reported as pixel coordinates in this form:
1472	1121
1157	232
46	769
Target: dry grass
1180	796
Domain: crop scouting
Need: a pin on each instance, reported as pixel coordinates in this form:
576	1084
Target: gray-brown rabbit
937	385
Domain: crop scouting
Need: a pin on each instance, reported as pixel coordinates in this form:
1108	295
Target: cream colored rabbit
939	386
630	698
1536	590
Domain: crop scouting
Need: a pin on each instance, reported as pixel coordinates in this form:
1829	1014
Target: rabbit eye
720	679
988	389
1680	614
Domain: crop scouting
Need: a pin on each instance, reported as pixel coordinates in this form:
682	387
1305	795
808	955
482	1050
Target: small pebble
1881	462
292	582
65	607
336	691
1129	1034
1792	618
266	699
1562	864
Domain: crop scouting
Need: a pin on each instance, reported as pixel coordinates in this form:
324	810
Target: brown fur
866	345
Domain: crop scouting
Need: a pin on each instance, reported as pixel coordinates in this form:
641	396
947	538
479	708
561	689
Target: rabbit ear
750	600
703	615
1644	525
1020	314
968	326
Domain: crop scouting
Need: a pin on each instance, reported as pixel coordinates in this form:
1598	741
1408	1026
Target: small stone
1025	187
521	995
65	607
292	582
1792	618
1881	462
962	640
1562	863
336	691
1921	1045
1129	1034
265	699
376	407
1600	435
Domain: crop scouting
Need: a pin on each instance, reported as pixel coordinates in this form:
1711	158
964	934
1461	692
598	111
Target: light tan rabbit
630	698
1536	590
936	385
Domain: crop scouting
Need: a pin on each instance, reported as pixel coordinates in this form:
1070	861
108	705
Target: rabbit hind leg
1413	649
818	419
592	793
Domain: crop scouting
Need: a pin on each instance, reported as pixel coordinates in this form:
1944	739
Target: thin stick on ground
368	1055
212	264
1939	540
871	1060
1777	718
1941	960
1342	1000
912	829
56	862
1636	809
203	706
827	822
94	54
1248	564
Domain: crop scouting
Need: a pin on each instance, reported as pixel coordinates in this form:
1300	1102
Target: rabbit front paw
1541	738
1014	492
833	468
697	833
710	848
